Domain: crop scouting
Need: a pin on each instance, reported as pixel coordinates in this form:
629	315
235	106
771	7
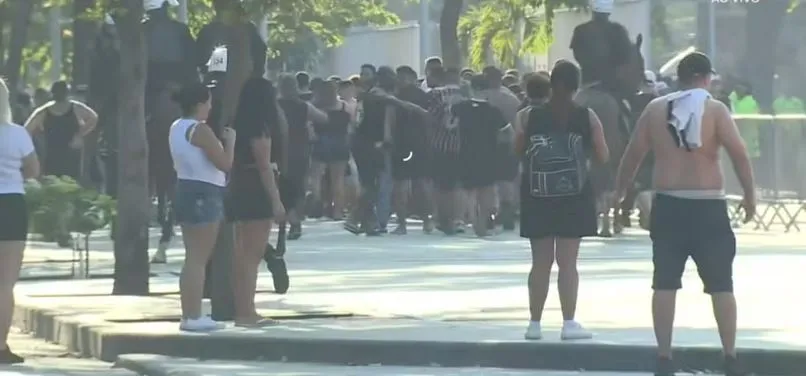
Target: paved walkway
45	359
192	367
482	282
465	290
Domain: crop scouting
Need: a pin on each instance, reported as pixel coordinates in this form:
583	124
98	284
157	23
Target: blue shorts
198	203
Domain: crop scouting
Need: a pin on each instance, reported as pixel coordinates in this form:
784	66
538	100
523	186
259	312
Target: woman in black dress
555	225
253	200
331	149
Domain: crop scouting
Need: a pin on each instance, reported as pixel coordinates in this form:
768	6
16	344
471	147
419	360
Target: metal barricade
775	144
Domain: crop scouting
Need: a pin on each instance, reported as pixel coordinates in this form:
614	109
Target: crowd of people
489	149
454	144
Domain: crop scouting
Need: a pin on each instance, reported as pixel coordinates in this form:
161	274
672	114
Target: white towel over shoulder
688	107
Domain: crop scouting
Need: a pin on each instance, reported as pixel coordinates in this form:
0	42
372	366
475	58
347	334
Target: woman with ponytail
18	162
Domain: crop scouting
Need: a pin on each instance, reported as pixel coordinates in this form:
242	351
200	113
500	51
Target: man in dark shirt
601	46
410	153
171	50
370	144
480	124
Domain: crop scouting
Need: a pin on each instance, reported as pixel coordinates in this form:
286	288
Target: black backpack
556	162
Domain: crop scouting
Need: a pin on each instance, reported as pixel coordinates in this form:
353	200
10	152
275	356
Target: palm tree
507	30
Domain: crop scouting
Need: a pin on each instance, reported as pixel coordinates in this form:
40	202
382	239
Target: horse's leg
618	223
603	201
165	219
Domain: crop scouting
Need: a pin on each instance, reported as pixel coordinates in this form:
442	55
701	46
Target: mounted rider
171	50
601	47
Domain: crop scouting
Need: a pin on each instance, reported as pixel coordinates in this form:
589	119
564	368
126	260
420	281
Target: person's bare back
677	168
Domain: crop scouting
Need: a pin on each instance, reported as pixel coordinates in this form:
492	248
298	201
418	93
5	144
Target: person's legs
316	175
199	244
568	287
538	283
669	256
446	209
337	190
423	194
507	204
11	254
251	237
401	194
199	208
384	202
714	252
485	202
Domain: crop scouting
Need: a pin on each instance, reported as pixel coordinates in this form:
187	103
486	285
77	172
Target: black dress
299	146
332	144
563	217
247	198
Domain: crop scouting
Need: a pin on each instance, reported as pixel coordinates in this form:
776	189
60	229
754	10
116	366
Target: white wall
393	46
633	14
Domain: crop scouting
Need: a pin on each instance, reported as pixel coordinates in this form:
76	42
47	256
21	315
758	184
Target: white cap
108	19
156	4
218	60
602	6
650	76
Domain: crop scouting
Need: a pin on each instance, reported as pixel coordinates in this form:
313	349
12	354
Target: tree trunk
83	37
239	68
131	238
3	22
763	25
448	22
21	18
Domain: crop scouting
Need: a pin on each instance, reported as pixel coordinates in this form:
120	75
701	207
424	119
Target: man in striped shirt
444	141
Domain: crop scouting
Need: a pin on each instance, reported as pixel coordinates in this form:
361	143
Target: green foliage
298	29
59	205
491	28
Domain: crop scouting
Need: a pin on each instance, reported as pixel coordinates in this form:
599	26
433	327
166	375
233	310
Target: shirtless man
690	212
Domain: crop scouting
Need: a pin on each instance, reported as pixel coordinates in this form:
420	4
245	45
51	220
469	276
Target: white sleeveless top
190	162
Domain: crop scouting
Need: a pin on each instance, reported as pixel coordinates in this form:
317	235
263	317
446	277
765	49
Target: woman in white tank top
201	163
18	162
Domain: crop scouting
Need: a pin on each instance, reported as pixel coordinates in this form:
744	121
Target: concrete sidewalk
155	365
454	301
45	359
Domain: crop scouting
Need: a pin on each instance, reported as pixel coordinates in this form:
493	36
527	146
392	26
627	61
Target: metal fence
776	147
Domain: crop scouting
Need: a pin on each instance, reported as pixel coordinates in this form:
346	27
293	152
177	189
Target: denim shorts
198	202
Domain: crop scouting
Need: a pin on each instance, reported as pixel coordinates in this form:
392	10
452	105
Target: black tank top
338	121
60	130
542	120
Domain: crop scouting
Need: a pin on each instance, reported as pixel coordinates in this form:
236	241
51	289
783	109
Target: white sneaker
534	332
202	324
573	330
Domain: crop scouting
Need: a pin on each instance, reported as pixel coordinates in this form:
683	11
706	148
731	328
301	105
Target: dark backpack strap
677	137
532	127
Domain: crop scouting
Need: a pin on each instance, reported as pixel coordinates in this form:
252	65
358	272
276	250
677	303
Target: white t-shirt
15	144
